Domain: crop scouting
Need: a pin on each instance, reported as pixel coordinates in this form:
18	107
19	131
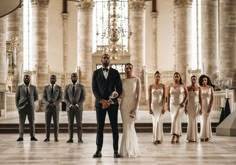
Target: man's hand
105	103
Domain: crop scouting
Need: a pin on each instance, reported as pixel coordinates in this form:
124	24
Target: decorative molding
181	3
41	3
85	5
136	4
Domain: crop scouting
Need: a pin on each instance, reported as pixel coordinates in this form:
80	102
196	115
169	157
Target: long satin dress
193	110
205	118
157	117
176	97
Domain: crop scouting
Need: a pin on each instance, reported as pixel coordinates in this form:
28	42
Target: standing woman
207	102
129	106
177	96
156	102
193	108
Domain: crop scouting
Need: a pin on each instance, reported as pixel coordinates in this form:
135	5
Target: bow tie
105	69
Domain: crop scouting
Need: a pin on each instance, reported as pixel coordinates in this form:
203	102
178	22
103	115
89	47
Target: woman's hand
163	110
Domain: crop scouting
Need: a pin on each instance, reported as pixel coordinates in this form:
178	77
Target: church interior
59	37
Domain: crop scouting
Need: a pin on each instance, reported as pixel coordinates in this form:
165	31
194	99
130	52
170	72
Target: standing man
52	96
106	83
26	95
74	97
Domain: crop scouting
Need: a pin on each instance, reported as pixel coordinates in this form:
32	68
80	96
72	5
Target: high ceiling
8	6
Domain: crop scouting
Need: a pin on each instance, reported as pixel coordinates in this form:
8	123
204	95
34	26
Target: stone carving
183	2
41	3
85	5
136	4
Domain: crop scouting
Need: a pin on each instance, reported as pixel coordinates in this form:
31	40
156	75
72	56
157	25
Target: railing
10	102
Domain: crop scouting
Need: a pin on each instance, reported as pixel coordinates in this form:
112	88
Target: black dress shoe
117	155
56	140
46	140
80	141
97	154
33	139
20	139
69	141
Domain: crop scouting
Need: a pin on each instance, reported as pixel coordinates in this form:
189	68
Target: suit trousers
101	115
49	115
27	111
77	114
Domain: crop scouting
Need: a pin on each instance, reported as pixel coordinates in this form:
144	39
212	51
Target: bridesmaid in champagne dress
177	96
193	108
156	104
207	102
129	106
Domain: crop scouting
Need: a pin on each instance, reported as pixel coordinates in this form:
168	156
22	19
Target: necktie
52	89
73	89
27	91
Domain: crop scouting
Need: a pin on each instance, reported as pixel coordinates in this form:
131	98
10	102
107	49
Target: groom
105	81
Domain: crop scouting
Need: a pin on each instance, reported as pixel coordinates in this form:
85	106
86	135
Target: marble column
154	56
13	37
3	61
183	36
66	77
136	42
209	32
227	29
19	50
39	43
84	47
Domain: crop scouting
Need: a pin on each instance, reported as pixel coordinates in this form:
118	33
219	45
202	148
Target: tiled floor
221	150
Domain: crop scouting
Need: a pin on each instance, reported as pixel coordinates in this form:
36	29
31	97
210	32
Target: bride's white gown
129	143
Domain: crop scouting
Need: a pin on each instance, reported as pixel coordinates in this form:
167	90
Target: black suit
102	89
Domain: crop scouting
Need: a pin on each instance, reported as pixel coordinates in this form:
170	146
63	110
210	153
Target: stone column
3	61
227	25
66	75
84	46
209	32
154	55
39	43
136	42
13	27
19	52
183	35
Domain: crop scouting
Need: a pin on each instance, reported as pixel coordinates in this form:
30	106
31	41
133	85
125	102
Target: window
102	15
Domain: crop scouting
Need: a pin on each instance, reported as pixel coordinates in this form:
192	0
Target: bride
129	105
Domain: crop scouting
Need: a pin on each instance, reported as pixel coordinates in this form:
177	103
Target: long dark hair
208	80
180	79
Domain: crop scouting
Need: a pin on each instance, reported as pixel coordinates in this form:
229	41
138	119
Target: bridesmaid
177	96
207	102
156	102
193	108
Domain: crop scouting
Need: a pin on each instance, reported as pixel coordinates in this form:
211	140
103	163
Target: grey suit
25	106
52	112
74	100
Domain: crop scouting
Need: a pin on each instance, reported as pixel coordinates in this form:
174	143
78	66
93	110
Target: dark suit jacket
78	97
21	97
56	97
103	88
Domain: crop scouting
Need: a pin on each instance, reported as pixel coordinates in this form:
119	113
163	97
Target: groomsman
52	96
26	95
74	97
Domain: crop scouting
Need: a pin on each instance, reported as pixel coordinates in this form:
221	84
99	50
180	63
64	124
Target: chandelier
116	33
